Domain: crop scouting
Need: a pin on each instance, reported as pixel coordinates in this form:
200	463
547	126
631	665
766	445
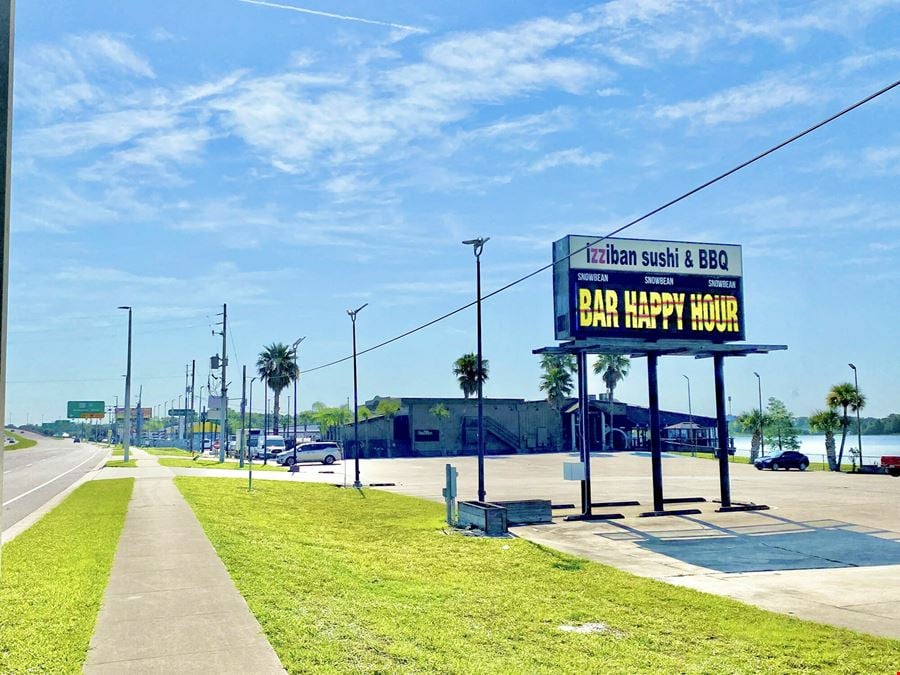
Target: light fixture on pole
250	450
690	418
858	427
126	440
266	422
477	246
352	314
762	436
296	377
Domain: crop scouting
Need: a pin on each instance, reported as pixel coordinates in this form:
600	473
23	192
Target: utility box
573	470
527	511
490	518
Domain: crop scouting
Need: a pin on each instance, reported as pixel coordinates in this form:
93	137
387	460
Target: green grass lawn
160	452
370	581
215	464
53	578
20	444
121	464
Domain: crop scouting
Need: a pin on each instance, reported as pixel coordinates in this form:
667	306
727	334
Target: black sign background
688	284
426	435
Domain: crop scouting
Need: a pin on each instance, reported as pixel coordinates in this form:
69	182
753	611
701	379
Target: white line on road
35	489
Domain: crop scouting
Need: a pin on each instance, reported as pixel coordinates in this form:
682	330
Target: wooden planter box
485	516
527	511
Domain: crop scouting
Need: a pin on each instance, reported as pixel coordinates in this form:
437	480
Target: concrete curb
14	531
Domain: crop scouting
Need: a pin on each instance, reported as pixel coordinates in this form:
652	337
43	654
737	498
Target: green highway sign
181	412
86	410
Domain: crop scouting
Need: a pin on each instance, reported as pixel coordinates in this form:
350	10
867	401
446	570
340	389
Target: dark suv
784	459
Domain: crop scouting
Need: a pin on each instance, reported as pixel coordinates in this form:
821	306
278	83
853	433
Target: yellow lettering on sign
631	309
678	299
714	313
731	313
584	307
611	300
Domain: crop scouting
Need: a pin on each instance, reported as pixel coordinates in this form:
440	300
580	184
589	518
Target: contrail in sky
303	10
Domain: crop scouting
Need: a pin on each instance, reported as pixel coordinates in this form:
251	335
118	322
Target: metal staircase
492	428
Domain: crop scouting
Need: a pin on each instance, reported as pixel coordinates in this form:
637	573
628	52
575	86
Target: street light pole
243	414
296	377
690	418
266	422
858	427
127	435
477	246
249	451
762	436
352	313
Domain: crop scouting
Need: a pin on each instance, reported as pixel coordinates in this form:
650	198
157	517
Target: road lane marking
35	489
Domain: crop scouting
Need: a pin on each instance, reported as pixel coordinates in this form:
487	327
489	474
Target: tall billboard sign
86	410
649	290
146	413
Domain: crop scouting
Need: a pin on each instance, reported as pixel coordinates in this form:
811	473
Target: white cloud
292	120
160	34
57	78
740	103
884	157
571	157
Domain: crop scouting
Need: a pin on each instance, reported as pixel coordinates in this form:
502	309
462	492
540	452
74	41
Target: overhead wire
620	229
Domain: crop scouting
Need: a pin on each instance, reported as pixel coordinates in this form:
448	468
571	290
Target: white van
272	446
326	452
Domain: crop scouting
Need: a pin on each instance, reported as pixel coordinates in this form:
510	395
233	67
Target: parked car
207	444
784	459
891	464
269	448
76	440
326	452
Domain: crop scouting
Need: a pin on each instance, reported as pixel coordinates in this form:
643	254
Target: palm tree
557	377
614	368
466	370
277	368
755	421
844	396
827	422
440	411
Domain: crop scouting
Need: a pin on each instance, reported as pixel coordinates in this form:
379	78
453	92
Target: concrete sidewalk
170	605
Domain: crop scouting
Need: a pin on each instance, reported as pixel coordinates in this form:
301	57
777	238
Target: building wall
526	426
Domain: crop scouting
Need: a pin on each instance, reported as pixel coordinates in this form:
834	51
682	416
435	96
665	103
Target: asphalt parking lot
827	550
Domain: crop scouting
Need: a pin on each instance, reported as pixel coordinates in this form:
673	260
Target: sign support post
722	430
655	444
584	431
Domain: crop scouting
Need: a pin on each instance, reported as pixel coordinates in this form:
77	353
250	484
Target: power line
624	227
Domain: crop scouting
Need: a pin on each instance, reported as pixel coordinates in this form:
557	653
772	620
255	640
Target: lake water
814	446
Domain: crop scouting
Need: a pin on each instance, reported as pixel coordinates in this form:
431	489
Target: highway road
33	476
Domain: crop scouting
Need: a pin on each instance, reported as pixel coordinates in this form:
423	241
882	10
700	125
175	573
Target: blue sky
174	156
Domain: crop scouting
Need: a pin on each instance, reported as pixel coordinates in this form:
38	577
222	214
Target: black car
785	459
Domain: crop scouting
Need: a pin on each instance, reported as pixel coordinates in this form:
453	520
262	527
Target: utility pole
139	419
224	437
126	436
191	437
6	95
187	390
243	411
